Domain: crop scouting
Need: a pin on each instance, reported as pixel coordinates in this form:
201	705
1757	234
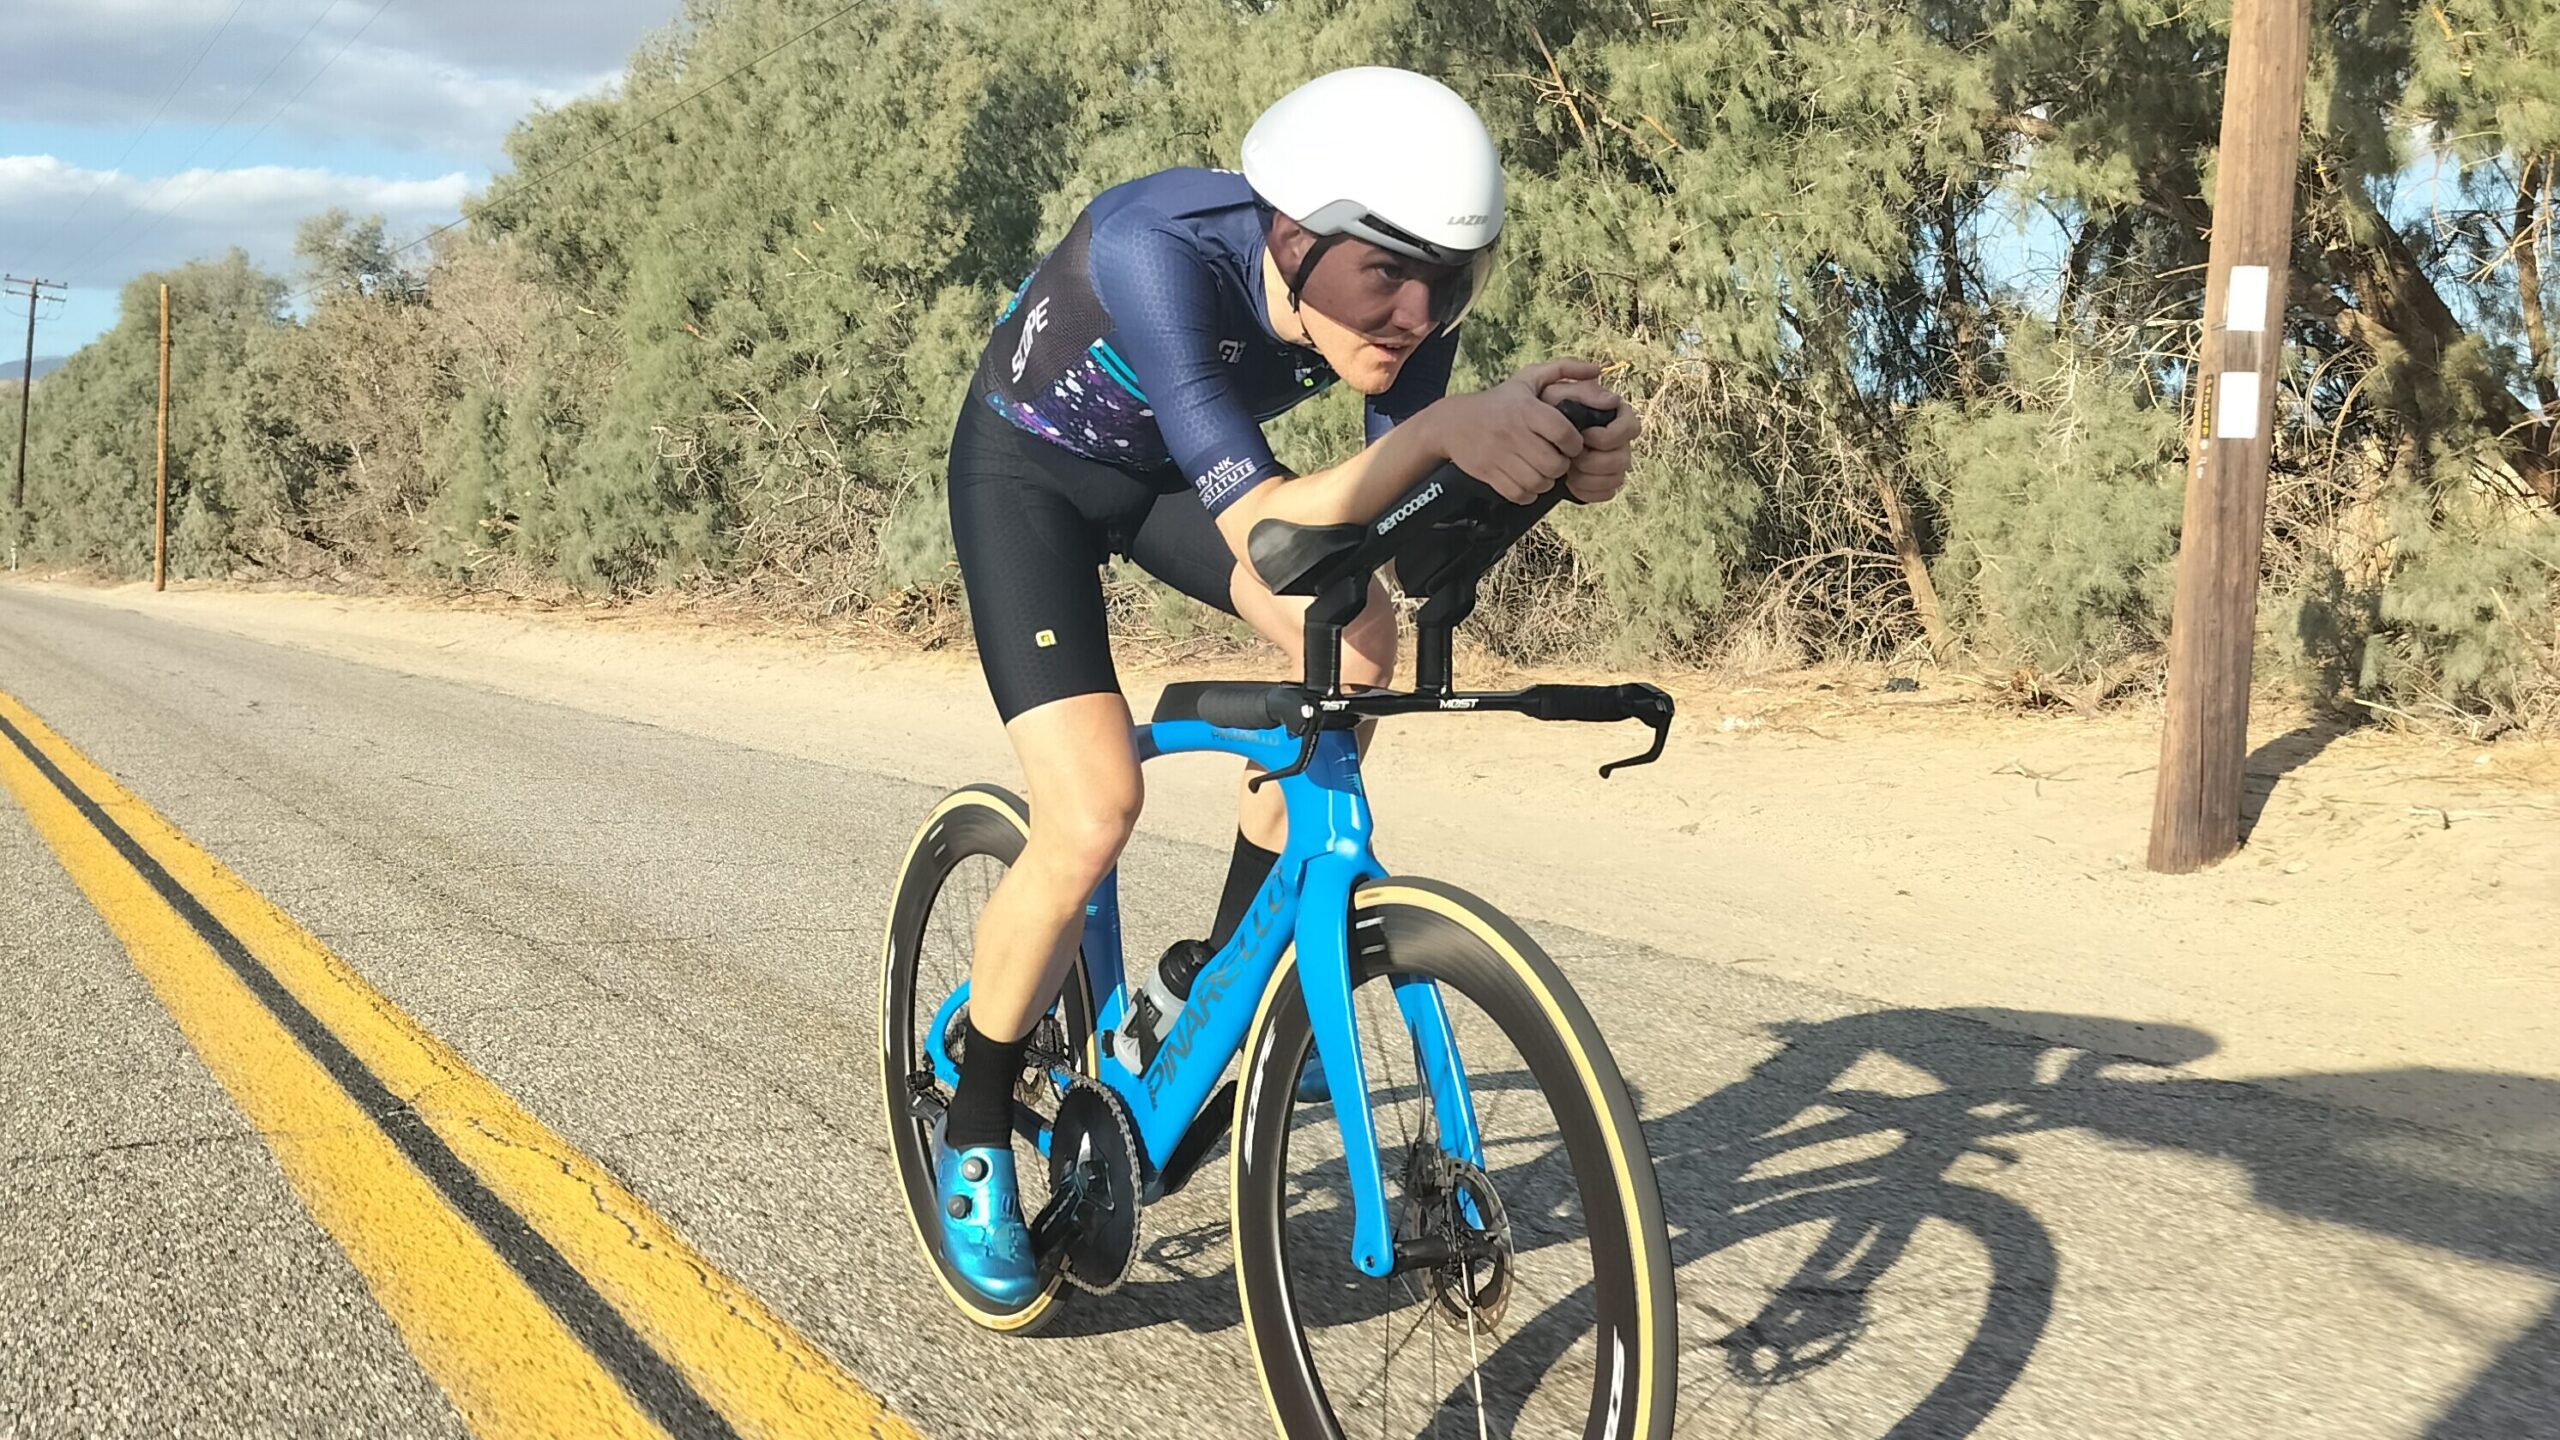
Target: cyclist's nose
1411	315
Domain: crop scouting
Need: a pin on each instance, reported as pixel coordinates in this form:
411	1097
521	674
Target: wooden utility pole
2195	817
27	382
160	547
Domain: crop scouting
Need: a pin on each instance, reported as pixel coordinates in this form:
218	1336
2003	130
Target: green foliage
725	348
2451	617
2061	499
91	472
2472	593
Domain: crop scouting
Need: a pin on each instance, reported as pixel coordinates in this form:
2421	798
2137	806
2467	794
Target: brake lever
1306	757
1656	715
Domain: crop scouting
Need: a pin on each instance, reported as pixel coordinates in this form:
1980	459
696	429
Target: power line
252	137
242	104
296	97
543	180
135	143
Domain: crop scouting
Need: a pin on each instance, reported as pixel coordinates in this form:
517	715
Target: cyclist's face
1376	292
1367	308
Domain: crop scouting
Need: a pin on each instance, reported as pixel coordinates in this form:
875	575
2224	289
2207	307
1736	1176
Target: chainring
1090	1225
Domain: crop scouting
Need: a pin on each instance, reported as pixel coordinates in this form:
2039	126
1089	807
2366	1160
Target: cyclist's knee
1085	785
1083	829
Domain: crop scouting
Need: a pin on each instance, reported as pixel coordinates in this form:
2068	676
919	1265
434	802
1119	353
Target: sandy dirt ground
2384	940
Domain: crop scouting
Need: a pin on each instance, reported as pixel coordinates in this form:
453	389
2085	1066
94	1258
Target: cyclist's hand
1511	439
1597	473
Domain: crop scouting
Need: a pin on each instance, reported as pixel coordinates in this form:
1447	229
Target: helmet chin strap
1298	280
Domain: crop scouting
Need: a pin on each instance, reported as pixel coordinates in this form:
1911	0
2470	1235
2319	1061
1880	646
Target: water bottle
1155	1004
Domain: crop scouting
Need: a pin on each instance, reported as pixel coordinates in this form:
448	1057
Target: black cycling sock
1245	874
982	1104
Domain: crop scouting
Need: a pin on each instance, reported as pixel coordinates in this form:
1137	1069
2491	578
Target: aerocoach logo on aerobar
1404	512
1032	324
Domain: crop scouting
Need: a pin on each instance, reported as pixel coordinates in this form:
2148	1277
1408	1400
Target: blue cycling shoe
983	1234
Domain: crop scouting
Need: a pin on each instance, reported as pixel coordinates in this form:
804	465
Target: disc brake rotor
1455	1202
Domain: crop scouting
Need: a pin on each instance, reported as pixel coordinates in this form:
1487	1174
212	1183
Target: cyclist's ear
1287	241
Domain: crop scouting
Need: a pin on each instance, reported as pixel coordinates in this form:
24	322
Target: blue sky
287	107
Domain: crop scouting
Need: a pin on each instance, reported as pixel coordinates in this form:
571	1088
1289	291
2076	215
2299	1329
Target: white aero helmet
1393	158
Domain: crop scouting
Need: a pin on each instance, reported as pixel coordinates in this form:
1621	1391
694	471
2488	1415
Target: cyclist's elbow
1241	514
1319	497
1280	497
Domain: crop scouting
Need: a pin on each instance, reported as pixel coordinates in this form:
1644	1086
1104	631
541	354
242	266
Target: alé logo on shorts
1032	325
1206	992
1404	512
1231	351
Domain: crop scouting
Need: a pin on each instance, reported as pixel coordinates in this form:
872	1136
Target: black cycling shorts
1033	525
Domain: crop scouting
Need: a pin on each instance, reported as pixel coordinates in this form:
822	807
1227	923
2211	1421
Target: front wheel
1558	1318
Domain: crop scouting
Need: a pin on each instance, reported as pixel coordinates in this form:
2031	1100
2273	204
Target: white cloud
446	76
138	223
434	83
388	95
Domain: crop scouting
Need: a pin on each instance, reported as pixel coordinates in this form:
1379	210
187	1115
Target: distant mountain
45	365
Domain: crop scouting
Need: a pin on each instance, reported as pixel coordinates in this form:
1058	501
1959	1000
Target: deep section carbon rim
1533	1317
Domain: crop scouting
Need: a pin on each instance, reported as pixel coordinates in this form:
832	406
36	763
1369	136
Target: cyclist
1117	409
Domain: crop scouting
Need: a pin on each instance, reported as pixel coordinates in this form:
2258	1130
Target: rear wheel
960	852
1555	1315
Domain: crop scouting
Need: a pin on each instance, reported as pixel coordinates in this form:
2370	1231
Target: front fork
1325	947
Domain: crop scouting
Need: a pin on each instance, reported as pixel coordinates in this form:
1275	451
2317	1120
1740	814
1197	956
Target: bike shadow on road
1852	1262
1757	1157
2488	1192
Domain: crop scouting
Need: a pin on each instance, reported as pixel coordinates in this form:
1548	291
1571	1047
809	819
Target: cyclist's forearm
1351	493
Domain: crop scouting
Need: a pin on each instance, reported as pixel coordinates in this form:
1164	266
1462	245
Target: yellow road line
544	1297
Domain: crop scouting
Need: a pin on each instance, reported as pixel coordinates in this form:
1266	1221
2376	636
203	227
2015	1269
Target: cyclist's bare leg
1083	774
1085	792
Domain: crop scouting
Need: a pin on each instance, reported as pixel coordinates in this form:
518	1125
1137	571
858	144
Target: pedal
925	1102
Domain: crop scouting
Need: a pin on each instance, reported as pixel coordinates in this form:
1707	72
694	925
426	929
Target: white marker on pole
2244	305
2235	406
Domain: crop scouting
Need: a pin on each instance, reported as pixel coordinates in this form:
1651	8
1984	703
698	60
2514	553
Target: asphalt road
663	949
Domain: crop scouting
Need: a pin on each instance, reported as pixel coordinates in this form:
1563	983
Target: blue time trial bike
1460	1226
